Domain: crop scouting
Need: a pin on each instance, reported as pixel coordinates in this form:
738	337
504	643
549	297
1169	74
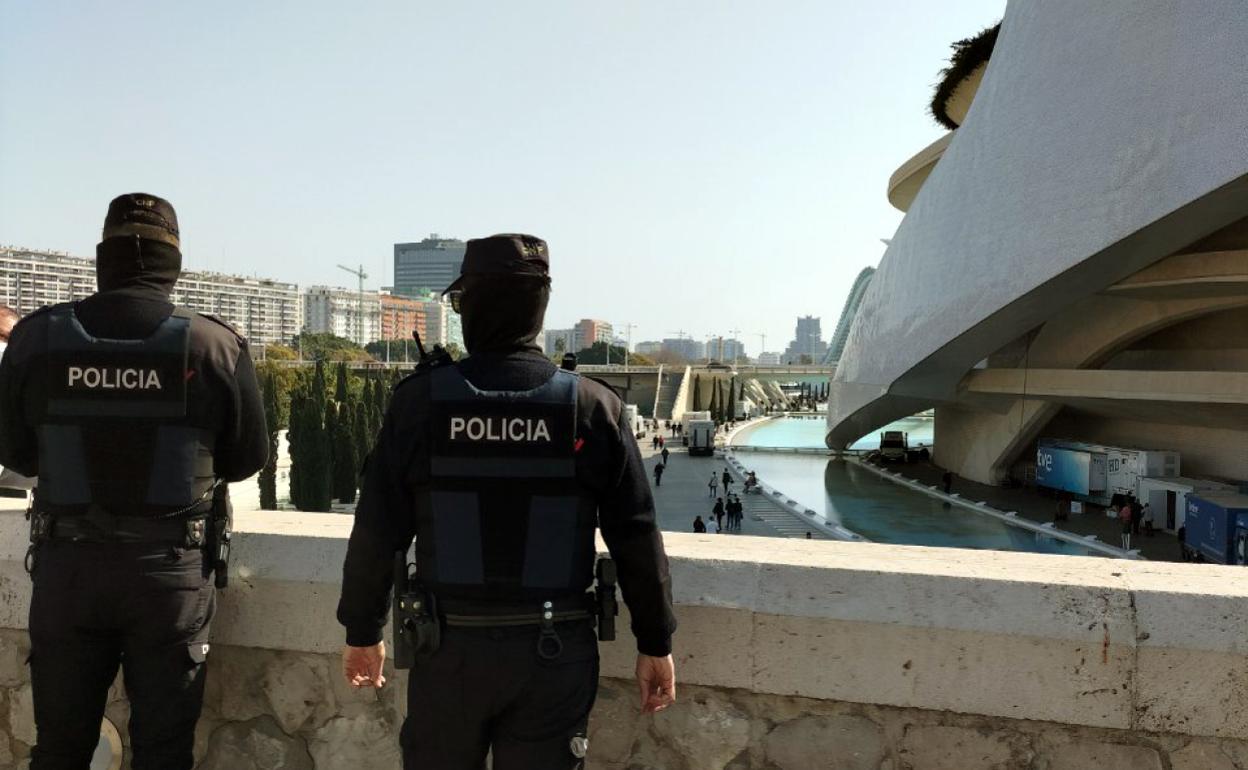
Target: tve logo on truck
1217	528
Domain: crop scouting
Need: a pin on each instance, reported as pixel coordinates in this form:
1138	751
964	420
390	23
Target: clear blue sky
699	166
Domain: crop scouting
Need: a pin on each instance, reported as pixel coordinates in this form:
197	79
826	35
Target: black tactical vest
502	516
115	430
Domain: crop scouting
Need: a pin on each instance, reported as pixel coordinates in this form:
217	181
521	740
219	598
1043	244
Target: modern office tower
551	339
589	331
807	341
430	265
690	350
725	349
400	316
263	310
343	313
768	359
649	347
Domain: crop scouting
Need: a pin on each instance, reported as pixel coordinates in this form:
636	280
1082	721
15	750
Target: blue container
1216	528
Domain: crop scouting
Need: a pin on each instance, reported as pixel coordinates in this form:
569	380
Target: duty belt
189	530
492	615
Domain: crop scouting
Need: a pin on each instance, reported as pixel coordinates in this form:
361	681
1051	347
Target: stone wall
820	654
266	710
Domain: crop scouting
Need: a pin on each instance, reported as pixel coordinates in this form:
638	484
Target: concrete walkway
1031	503
684	495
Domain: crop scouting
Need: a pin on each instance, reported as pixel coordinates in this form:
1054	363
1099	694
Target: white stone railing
788	651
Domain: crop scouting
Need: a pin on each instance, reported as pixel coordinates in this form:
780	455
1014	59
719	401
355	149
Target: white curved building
1074	257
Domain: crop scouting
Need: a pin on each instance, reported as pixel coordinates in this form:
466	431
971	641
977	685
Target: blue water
847	494
808	433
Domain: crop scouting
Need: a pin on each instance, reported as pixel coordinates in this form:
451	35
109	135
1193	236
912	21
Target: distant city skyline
734	152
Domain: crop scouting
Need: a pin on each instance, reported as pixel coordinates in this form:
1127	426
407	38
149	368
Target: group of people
733	510
1132	515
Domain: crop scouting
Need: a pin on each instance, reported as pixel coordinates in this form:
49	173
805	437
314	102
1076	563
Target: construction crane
359	305
628	341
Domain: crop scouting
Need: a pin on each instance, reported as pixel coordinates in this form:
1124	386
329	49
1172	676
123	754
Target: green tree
311	453
344	450
268	474
732	399
716	415
328	347
697	392
597	354
359	432
341	385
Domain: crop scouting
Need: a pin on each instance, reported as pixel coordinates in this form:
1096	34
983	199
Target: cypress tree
715	413
360	434
345	462
311	461
732	399
319	478
340	387
296	439
697	392
268	474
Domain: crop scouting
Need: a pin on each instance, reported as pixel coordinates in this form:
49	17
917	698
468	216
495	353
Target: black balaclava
141	246
502	313
131	262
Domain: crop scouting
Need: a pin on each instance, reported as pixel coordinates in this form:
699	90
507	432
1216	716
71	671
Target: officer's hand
362	665
657	679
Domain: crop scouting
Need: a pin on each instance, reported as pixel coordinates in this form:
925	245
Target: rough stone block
613	726
257	744
844	742
1085	755
1201	755
298	691
22	715
359	743
941	747
14	648
709	731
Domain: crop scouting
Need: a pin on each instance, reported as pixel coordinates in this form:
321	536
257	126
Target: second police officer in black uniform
131	412
501	466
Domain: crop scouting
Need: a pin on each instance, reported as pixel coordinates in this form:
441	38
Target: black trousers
488	689
99	606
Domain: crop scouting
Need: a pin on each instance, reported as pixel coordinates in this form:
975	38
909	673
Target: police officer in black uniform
501	466
132	412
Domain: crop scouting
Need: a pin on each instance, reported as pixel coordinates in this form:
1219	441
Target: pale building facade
263	310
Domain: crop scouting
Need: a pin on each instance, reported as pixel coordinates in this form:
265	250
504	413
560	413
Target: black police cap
147	216
509	254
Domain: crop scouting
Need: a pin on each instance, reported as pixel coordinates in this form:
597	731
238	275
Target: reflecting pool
808	433
847	494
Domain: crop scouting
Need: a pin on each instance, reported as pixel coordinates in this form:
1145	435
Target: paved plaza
1029	502
684	495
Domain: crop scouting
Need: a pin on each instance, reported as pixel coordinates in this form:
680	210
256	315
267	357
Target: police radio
429	360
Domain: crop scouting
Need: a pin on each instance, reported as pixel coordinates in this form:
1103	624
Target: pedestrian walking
718	511
1124	516
131	517
1137	514
658	474
1148	520
665	454
727	479
713	485
509	578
